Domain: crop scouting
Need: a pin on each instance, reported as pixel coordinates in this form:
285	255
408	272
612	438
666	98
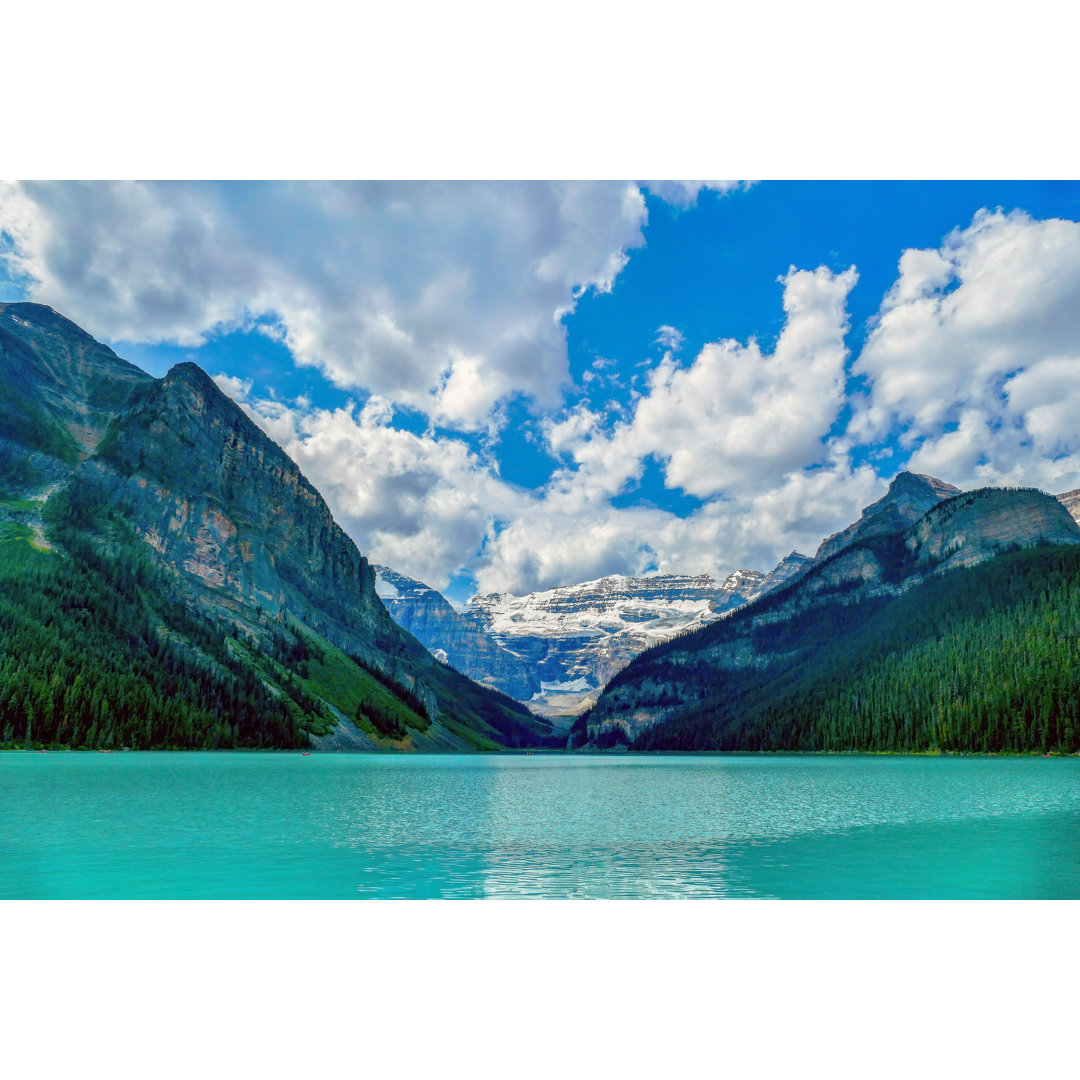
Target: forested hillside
98	654
979	659
171	579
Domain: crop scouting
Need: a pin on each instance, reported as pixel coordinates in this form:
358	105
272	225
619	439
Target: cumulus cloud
431	506
736	418
443	296
975	355
744	431
572	533
449	299
684	193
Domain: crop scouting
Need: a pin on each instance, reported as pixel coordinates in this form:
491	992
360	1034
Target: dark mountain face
960	615
60	390
61	377
102	458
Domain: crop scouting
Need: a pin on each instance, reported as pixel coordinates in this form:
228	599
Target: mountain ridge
240	551
777	641
554	649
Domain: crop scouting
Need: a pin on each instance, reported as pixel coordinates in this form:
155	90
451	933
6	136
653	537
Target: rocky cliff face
967	529
572	639
456	638
61	388
214	497
909	496
789	567
1071	501
59	391
245	538
556	649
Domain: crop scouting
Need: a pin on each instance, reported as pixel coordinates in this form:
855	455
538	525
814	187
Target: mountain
957	630
910	495
573	638
556	649
787	568
1071	501
174	547
454	637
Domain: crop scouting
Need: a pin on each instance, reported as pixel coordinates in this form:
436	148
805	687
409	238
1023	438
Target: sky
510	385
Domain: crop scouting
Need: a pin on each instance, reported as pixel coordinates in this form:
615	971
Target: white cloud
572	533
684	193
237	389
742	430
464	397
736	418
422	505
448	298
443	296
669	338
975	355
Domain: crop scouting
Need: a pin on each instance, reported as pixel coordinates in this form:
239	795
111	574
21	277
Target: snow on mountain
651	608
576	637
452	637
555	649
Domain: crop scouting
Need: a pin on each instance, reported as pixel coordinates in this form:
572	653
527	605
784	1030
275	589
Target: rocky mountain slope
1071	501
955	598
457	638
576	637
557	648
910	495
247	576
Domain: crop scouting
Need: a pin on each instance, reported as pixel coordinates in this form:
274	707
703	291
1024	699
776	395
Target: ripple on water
282	825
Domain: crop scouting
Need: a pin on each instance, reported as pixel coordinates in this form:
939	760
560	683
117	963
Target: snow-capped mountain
576	637
453	637
557	648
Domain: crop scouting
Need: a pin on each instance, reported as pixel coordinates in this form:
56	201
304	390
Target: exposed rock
244	535
909	496
877	565
453	637
575	637
59	380
556	649
1071	501
789	567
974	526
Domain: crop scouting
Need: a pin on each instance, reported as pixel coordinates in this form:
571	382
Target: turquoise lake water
285	826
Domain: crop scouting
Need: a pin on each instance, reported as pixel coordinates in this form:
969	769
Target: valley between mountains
172	580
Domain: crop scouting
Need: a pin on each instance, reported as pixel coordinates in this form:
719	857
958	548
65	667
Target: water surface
247	825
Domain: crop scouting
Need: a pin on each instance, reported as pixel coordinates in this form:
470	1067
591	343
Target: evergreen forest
97	653
985	659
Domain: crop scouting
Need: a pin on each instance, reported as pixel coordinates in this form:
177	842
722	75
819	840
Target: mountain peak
59	388
189	372
42	316
909	496
911	481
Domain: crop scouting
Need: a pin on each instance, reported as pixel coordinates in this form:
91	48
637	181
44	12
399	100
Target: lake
286	826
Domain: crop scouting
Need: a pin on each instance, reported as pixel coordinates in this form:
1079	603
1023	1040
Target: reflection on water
287	826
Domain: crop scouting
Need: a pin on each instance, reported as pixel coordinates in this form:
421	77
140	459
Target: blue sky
508	386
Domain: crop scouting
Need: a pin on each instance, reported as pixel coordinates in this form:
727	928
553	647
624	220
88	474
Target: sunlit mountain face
507	388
